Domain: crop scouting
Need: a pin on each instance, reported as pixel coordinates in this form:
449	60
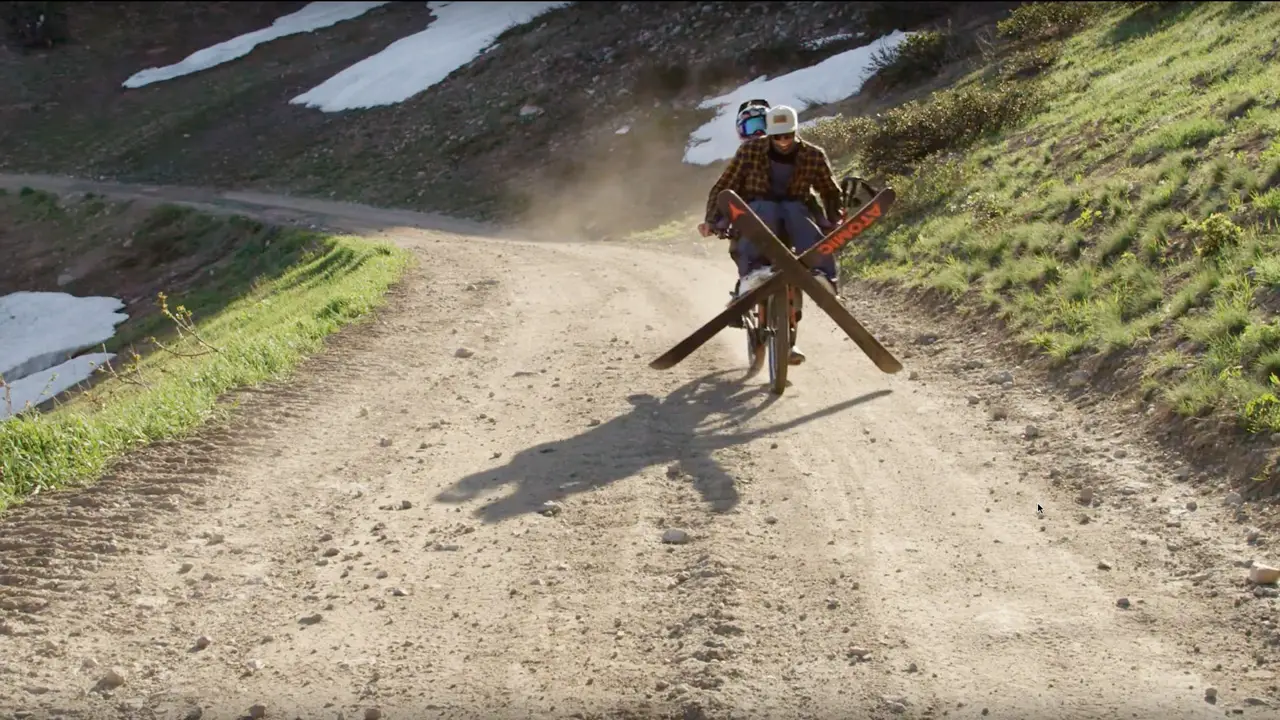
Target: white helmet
781	120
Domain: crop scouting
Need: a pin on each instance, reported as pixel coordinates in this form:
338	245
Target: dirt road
428	532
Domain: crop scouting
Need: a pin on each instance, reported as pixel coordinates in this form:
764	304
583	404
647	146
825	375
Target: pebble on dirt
258	711
1123	603
674	536
110	681
859	653
310	619
464	352
372	714
203	642
1264	575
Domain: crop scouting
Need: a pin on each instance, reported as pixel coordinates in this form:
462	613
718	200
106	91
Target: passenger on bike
750	123
776	175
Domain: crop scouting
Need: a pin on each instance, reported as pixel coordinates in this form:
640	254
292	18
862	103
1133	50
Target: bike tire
778	312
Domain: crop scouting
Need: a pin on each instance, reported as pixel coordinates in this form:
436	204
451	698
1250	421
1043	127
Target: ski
831	243
751	226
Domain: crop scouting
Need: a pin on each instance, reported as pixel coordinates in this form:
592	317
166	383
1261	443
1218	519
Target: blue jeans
800	228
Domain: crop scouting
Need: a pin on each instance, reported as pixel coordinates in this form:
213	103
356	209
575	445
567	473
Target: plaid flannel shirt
748	175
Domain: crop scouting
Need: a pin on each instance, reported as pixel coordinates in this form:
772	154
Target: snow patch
814	121
314	16
38	333
44	385
822	42
831	80
410	65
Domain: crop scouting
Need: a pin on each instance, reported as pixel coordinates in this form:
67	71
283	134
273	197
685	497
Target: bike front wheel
778	312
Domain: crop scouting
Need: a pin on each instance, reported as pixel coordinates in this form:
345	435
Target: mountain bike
771	324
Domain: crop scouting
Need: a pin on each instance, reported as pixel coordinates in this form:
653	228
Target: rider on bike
776	175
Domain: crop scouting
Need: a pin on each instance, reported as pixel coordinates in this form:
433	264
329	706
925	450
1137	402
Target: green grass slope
267	301
1107	182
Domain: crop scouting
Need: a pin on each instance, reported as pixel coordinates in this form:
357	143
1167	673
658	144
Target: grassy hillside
1106	181
260	299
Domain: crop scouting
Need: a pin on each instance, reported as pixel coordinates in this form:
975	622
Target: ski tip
891	368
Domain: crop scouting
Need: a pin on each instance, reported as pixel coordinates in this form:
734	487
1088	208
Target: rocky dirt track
485	504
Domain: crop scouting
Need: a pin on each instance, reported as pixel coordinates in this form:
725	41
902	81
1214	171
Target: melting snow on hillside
38	331
831	80
460	33
314	16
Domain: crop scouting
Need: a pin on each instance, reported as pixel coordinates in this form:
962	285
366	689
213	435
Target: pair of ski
795	270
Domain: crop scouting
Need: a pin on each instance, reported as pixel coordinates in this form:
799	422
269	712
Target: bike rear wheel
778	312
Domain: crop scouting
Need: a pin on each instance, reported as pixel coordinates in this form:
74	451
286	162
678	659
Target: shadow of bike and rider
685	428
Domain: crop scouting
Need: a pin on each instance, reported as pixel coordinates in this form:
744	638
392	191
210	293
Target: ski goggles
752	122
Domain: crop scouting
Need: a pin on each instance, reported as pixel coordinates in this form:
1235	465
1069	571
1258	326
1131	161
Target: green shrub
1046	20
839	136
1213	234
1029	62
946	121
1262	413
915	59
